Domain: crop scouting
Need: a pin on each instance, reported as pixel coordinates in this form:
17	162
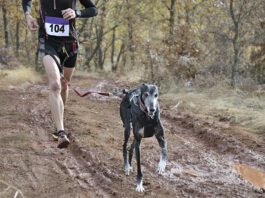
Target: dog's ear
144	87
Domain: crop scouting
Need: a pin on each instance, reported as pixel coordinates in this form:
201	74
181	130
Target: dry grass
237	107
18	77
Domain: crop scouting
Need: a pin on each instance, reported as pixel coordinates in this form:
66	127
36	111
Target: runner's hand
31	23
68	14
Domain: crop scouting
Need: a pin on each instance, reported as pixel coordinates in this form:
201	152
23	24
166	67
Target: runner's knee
55	87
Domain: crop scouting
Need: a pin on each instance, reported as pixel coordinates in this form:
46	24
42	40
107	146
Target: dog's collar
143	108
141	105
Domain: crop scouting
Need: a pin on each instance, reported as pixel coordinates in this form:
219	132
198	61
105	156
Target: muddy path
202	153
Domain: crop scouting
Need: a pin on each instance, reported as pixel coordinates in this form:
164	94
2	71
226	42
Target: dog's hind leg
139	187
163	145
127	166
126	119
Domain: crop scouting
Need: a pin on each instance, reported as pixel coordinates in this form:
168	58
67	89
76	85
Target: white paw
140	187
127	170
162	166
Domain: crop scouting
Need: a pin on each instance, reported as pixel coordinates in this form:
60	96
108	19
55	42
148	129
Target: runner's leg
56	102
68	72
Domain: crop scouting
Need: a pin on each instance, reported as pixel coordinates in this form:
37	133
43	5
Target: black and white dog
140	109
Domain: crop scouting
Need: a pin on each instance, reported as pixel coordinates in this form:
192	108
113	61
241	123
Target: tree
4	5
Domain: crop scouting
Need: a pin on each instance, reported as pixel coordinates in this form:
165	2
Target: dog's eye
156	95
146	94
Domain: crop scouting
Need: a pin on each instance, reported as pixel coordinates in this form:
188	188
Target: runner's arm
90	9
31	22
26	4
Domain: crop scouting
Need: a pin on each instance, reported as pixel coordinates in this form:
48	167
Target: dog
139	110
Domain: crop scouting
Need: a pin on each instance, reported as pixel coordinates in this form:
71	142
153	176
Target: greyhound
139	110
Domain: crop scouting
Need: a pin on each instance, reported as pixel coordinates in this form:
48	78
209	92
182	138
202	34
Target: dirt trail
201	153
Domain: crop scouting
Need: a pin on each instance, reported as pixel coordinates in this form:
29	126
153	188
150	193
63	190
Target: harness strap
57	62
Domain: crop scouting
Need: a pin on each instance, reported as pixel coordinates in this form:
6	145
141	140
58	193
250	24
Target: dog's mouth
151	114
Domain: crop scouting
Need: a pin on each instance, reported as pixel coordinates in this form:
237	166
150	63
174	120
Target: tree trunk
27	46
235	43
172	14
100	34
89	52
124	61
17	38
17	30
131	45
119	57
113	49
4	10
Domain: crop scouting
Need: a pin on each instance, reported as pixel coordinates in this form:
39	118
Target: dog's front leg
163	145
138	139
126	166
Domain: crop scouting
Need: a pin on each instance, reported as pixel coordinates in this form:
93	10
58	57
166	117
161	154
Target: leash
73	88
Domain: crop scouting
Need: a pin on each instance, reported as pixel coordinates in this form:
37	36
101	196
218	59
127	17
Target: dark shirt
53	8
49	5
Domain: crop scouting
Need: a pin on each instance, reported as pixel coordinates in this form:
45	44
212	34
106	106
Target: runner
57	31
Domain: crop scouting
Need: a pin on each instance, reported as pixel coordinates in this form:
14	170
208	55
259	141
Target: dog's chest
144	121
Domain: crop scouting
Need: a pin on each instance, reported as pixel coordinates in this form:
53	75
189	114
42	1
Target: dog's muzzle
151	113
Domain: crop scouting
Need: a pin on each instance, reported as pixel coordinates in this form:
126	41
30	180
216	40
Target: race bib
56	26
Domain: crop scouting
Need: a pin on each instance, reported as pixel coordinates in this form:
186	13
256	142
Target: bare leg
56	102
68	73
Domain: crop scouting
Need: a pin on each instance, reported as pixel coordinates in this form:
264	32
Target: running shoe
55	135
63	140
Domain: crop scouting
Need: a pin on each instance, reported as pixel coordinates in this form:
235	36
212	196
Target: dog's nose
152	110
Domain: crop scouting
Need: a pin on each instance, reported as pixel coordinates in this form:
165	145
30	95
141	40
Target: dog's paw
140	187
127	170
161	166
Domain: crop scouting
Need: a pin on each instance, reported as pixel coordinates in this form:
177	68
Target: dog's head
149	97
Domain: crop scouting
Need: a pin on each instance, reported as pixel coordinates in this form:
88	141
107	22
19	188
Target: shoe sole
64	142
55	137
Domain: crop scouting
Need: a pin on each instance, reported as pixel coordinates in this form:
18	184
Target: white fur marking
127	169
162	166
140	187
